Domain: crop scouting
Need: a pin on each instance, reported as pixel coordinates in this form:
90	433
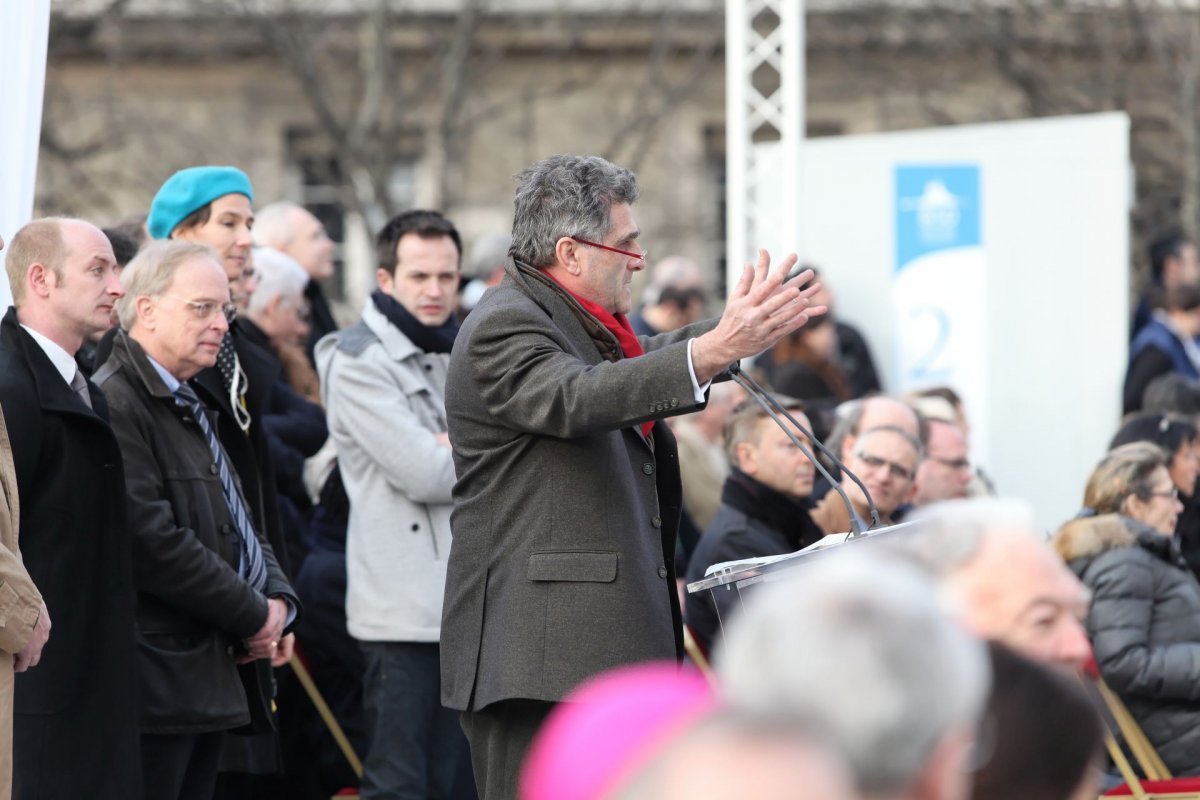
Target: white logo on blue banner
939	281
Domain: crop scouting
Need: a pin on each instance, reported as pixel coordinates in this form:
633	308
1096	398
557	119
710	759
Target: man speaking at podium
568	495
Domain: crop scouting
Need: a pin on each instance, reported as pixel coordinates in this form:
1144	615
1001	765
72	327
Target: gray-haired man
567	498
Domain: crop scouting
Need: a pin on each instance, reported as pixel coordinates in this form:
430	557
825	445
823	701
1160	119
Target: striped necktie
250	562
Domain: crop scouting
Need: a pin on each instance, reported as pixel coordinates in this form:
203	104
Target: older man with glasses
210	594
886	460
567	499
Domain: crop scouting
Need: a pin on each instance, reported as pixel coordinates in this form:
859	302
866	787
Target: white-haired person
294	231
293	419
277	318
997	574
857	647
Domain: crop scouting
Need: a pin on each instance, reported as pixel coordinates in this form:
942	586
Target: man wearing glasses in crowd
886	460
568	496
945	473
210	593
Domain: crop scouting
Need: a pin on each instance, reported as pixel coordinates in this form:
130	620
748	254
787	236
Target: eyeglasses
875	462
1172	493
956	464
642	256
207	309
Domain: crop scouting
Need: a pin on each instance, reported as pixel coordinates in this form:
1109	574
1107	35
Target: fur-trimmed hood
1091	536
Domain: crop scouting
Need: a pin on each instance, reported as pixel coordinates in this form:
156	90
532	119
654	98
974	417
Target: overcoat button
648	468
212	468
662	572
416	527
656	522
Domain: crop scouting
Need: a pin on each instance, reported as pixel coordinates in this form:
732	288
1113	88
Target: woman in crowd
1144	622
1179	439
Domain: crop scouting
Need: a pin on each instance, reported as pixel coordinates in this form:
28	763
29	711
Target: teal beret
191	189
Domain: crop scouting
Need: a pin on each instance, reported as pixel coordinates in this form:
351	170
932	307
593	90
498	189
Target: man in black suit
75	720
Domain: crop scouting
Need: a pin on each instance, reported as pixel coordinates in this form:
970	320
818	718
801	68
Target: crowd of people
472	516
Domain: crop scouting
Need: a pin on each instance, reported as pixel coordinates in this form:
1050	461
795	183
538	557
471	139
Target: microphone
771	405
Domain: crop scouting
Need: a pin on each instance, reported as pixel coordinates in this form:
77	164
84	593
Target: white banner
24	28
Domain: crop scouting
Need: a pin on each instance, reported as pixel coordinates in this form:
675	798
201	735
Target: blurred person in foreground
568	496
855	646
1144	621
294	231
79	707
1041	737
731	755
654	731
1000	578
210	595
764	508
885	459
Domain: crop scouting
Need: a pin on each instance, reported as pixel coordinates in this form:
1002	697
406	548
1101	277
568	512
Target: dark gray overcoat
565	515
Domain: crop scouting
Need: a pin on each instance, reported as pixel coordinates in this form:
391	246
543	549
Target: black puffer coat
1144	624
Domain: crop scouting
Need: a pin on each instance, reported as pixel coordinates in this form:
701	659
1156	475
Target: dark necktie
79	384
250	562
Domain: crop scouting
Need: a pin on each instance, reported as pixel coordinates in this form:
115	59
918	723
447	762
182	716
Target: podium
729	582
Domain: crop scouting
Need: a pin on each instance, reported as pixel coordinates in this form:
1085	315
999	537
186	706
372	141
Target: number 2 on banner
925	367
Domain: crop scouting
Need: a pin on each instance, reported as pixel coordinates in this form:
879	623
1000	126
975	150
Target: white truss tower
764	105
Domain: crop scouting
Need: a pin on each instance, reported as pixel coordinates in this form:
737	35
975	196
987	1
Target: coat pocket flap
573	566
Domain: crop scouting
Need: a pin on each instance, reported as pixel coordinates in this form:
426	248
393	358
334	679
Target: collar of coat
397	346
1091	536
543	290
53	393
126	352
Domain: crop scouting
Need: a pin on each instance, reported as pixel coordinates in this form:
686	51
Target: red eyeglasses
641	256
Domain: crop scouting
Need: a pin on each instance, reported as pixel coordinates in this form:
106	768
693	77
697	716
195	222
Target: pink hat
609	727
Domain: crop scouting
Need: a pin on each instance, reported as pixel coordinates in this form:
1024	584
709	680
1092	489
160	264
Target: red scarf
618	325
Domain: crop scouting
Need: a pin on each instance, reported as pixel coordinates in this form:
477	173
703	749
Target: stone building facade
441	103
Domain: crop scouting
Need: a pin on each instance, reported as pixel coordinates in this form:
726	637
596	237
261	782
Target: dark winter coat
1144	624
75	721
750	523
193	607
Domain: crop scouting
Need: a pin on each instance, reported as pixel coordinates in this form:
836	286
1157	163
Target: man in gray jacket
384	381
568	493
